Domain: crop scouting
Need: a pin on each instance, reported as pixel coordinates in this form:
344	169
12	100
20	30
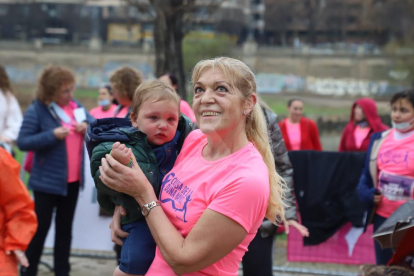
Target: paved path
102	263
91	266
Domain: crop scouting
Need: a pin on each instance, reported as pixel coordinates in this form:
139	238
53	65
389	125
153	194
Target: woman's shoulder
33	106
194	137
250	160
348	129
95	109
306	120
282	122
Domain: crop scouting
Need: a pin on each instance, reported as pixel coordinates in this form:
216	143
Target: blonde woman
222	184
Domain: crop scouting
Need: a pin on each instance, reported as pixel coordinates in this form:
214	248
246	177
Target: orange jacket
18	222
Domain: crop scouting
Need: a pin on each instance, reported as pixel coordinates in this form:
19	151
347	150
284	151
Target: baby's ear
133	118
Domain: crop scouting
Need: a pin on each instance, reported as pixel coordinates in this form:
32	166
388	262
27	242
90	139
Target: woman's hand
81	128
131	181
21	257
302	229
377	198
5	139
61	132
115	225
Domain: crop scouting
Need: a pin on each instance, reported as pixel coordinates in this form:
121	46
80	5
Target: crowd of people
161	165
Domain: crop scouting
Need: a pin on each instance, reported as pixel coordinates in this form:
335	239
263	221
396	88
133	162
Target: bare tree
395	16
298	15
231	21
279	16
170	23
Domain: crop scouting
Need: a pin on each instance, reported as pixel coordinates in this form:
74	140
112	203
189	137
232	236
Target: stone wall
276	70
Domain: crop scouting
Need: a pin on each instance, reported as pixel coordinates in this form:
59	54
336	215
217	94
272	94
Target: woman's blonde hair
153	91
241	77
5	84
51	81
126	79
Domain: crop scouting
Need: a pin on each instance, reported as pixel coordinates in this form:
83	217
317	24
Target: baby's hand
121	153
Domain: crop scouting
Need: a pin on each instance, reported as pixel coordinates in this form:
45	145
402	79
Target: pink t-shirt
360	134
122	113
99	113
293	131
236	186
395	157
74	143
186	109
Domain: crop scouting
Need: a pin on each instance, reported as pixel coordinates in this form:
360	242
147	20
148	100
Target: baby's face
158	120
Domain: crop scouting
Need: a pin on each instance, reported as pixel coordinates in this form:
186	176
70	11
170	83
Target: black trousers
65	206
258	260
382	256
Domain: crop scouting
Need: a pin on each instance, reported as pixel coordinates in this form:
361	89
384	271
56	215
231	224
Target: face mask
104	103
402	127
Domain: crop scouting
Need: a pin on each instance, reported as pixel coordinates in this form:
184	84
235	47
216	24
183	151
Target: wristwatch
146	208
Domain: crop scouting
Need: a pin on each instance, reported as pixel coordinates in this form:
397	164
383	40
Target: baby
155	138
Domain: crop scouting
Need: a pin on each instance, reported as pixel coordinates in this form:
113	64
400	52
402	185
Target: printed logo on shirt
177	193
397	157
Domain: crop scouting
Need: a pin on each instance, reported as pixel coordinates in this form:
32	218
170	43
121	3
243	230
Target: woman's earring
245	112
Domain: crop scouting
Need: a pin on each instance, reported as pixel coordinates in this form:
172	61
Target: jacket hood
104	130
371	114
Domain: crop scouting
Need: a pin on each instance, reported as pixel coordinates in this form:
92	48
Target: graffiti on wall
266	83
85	77
276	83
341	87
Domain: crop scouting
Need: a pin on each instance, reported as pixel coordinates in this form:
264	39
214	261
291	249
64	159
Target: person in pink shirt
387	181
105	108
363	122
185	108
211	202
299	132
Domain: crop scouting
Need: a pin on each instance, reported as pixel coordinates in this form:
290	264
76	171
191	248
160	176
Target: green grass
85	93
312	108
282	236
78	93
18	155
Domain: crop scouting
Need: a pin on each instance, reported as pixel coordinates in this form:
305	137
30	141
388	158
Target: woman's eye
222	89
198	90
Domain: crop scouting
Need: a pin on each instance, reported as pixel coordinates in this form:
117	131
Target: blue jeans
138	250
382	256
